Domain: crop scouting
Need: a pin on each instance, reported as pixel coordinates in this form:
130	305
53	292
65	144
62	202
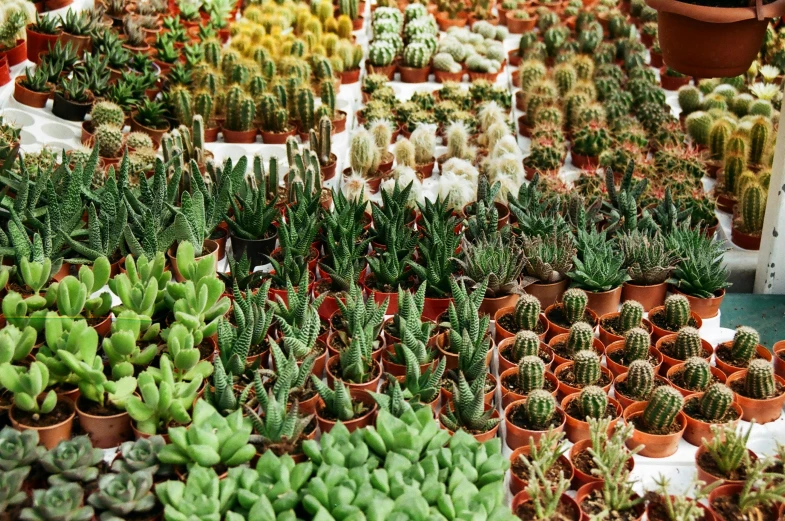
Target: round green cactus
698	125
687	344
586	367
592	402
689	99
697	374
530	73
540	407
580	338
759	382
714	101
741	104
630	315
715	402
526	343
745	342
677	311
574	302
662	409
527	312
737	144
107	113
416	55
584	66
565	76
753	207
381	53
138	140
640	379
636	345
761	107
109	140
531	374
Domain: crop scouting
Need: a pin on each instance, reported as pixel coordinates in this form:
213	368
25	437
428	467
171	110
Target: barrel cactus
698	125
580	338
381	53
630	315
663	407
640	380
697	374
109	140
565	76
759	382
416	55
107	113
526	343
592	402
138	140
240	110
677	312
574	302
531	374
540	408
586	368
527	312
531	72
689	99
715	402
636	345
687	344
761	107
745	343
720	131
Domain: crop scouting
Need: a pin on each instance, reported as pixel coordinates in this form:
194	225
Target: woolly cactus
714	101
586	367
759	382
540	407
107	113
424	142
698	126
689	99
745	342
592	402
640	379
697	374
631	315
677	311
662	409
531	374
362	153
526	343
240	110
416	55
687	344
718	136
109	140
381	53
574	304
527	312
445	62
531	72
715	402
760	140
636	345
753	207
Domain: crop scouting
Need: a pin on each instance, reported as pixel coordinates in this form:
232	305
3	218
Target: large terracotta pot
698	431
482	437
105	431
519	436
352	425
654	445
704	307
668	361
509	396
49	436
517	484
548	293
762	411
604	302
490	305
719	375
577	429
729	369
210	246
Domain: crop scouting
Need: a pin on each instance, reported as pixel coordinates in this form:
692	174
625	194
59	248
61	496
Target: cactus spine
321	142
109	140
759	382
718	136
760	138
240	110
416	55
636	345
715	402
305	108
204	105
662	409
592	402
697	374
574	304
733	168
745	342
540	407
677	312
527	312
531	374
580	338
526	343
586	367
640	379
631	315
687	344
753	207
107	113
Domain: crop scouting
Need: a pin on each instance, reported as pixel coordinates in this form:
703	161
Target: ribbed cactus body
305	108
714	101
540	406
584	66
689	99
109	140
677	311
416	55
715	402
531	374
580	338
592	402
381	53
630	315
586	367
697	374
734	167
204	105
718	137
526	343
138	140
662	409
753	207
212	52
531	72
183	106
527	312
107	113
574	303
636	344
698	125
761	107
760	138
240	110
687	344
759	383
745	342
565	76
640	379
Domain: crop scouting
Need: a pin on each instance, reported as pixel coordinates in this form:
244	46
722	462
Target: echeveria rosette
121	495
59	503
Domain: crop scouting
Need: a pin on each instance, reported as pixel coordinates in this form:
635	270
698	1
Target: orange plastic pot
648	296
367	419
687	392
502	333
505	363
604	302
654	445
210	246
548	293
567	389
608	338
668	362
779	363
555	329
519	436
523	497
598	346
732	490
446	395
762	411
509	396
617	368
729	369
657	332
698	431
517	484
105	431
51	435
588	488
371	385
703	307
580	477
482	437
577	429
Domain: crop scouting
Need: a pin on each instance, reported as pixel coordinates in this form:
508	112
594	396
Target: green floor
766	313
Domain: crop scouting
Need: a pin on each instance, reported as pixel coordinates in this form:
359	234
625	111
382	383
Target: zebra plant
468	408
410	306
253	322
280	428
464	313
419	386
291	376
357	314
223	395
389	221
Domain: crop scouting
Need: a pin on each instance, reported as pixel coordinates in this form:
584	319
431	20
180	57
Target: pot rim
67	401
719	15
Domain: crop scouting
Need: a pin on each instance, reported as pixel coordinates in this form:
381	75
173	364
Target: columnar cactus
321	142
531	374
586	367
527	312
204	105
580	338
240	110
526	343
109	140
183	105
636	345
745	342
721	130
416	55
362	153
592	402
640	379
540	407
631	315
753	207
697	374
212	52
687	344
574	304
107	113
733	167
662	409
760	139
759	381
305	108
715	402
565	76
677	311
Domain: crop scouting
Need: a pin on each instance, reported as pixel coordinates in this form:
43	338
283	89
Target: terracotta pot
584	162
729	369
555	329
657	332
328	306
38	43
444	76
779	363
50	436
351	76
743	240
387	70
698	431
414	75
519	436
517	484
648	296
668	362
518	26
548	293
608	338
352	425
509	396
105	431
503	334
654	445
703	307
616	368
588	488
523	497
513	57
276	138
80	44
490	306
209	245
398	369
580	477
482	437
719	375
722	41
707	515
28	97
445	22
731	490
604	302
505	363
577	429
371	385
434	307
566	389
239	136
379	297
210	133
762	411
155	134
598	346
446	395
672	82
452	358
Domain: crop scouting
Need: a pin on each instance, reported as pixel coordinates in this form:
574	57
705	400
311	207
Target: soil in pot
565	510
668	348
507	321
572	409
521	471
727	508
677	379
620	387
545	356
617	356
594	503
637	422
59	414
658	319
612	324
657	510
692	409
723	353
556	316
567	376
737	386
707	463
518	418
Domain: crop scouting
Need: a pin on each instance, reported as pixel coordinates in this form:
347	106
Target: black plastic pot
256	250
70	110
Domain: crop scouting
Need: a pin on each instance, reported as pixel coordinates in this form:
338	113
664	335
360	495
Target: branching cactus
677	312
574	304
526	343
540	408
753	207
759	382
662	409
586	368
531	374
636	345
640	380
580	338
687	344
527	312
697	374
715	402
745	342
631	315
592	402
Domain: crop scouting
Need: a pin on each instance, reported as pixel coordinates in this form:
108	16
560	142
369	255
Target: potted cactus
275	127
737	354
353	410
42	35
72	99
591	402
694	375
636	345
599	272
583	370
759	391
381	56
524	343
149	118
545	499
110	142
240	109
603	449
659	423
579	338
637	384
416	64
748	225
760	494
573	308
672	316
724	456
681	346
528	376
251	230
662	506
532	418
588	143
705	410
614	326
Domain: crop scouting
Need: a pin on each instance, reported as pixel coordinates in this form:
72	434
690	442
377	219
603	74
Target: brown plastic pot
209	245
38	43
598	346
442	344
608	338
518	436
350	76
762	411
703	307
519	26
654	445
548	293
746	241
490	306
49	436
698	432
154	133
729	369
503	334
668	362
517	484
523	497
105	431
779	363
28	97
386	70
604	302
80	44
672	82
505	363
434	307
509	396
616	368
482	437
444	76
566	389
577	429
707	515
352	425
371	385
239	136
278	138
555	329
657	332
732	490
688	392
414	75
648	296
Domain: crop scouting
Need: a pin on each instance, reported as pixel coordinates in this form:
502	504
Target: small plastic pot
577	429
371	385
509	396
687	392
28	97
482	437
517	484
257	250
729	369
519	436
597	344
434	307
762	411
698	431
648	296
703	307
567	389
367	419
581	478
555	329
668	362
654	445
779	363
505	363
105	431
588	488
616	368
209	245
239	136
51	435
604	302
548	293
502	333
522	497
608	338
446	396
657	332
729	491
